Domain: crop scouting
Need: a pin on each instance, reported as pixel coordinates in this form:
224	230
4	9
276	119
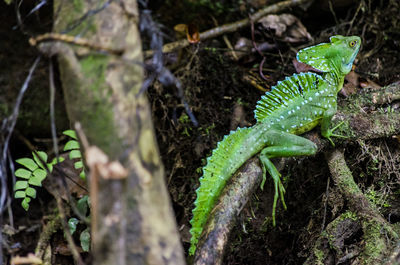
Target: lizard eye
352	43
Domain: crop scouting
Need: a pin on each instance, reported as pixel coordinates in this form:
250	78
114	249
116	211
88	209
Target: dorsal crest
285	92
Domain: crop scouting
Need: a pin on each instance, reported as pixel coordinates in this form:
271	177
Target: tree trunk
132	218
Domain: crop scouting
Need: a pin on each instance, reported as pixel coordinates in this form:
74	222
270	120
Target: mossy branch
375	228
135	222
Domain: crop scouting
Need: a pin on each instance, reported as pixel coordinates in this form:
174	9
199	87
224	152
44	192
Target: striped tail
220	167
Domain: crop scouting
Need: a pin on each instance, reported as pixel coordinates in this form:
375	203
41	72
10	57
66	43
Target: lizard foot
330	133
279	189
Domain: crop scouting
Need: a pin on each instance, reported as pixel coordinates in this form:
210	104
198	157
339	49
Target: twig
227	42
52	226
212	33
325	205
333	12
260	68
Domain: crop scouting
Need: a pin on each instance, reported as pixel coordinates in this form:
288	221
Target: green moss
184	118
377	198
320	256
349	215
89	100
93	68
71	11
375	246
78	4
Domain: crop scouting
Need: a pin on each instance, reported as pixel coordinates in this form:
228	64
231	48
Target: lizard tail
220	167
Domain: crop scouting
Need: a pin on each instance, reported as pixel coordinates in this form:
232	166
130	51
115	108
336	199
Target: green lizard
294	106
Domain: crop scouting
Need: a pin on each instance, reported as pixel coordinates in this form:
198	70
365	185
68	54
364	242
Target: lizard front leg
326	122
282	144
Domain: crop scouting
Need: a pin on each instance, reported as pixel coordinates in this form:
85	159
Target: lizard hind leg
282	144
276	176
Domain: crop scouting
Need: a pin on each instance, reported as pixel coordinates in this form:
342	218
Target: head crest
315	56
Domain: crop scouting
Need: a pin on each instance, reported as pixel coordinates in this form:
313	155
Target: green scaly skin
294	106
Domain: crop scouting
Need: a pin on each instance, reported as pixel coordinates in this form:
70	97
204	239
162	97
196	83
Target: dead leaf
351	85
75	184
238	116
192	33
353	78
286	26
180	28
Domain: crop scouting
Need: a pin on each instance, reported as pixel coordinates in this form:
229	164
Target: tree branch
132	217
375	227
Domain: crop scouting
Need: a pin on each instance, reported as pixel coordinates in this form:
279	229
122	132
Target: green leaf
25	203
43	157
78	164
38	176
31	192
23	173
85	240
82	205
75	154
54	162
40	173
82	174
71	145
35	181
28	163
60	159
70	133
19	194
72	223
50	167
21	185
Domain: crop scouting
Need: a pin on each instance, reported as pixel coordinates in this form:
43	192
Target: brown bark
132	218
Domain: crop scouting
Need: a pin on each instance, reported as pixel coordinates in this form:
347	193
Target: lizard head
346	50
338	55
